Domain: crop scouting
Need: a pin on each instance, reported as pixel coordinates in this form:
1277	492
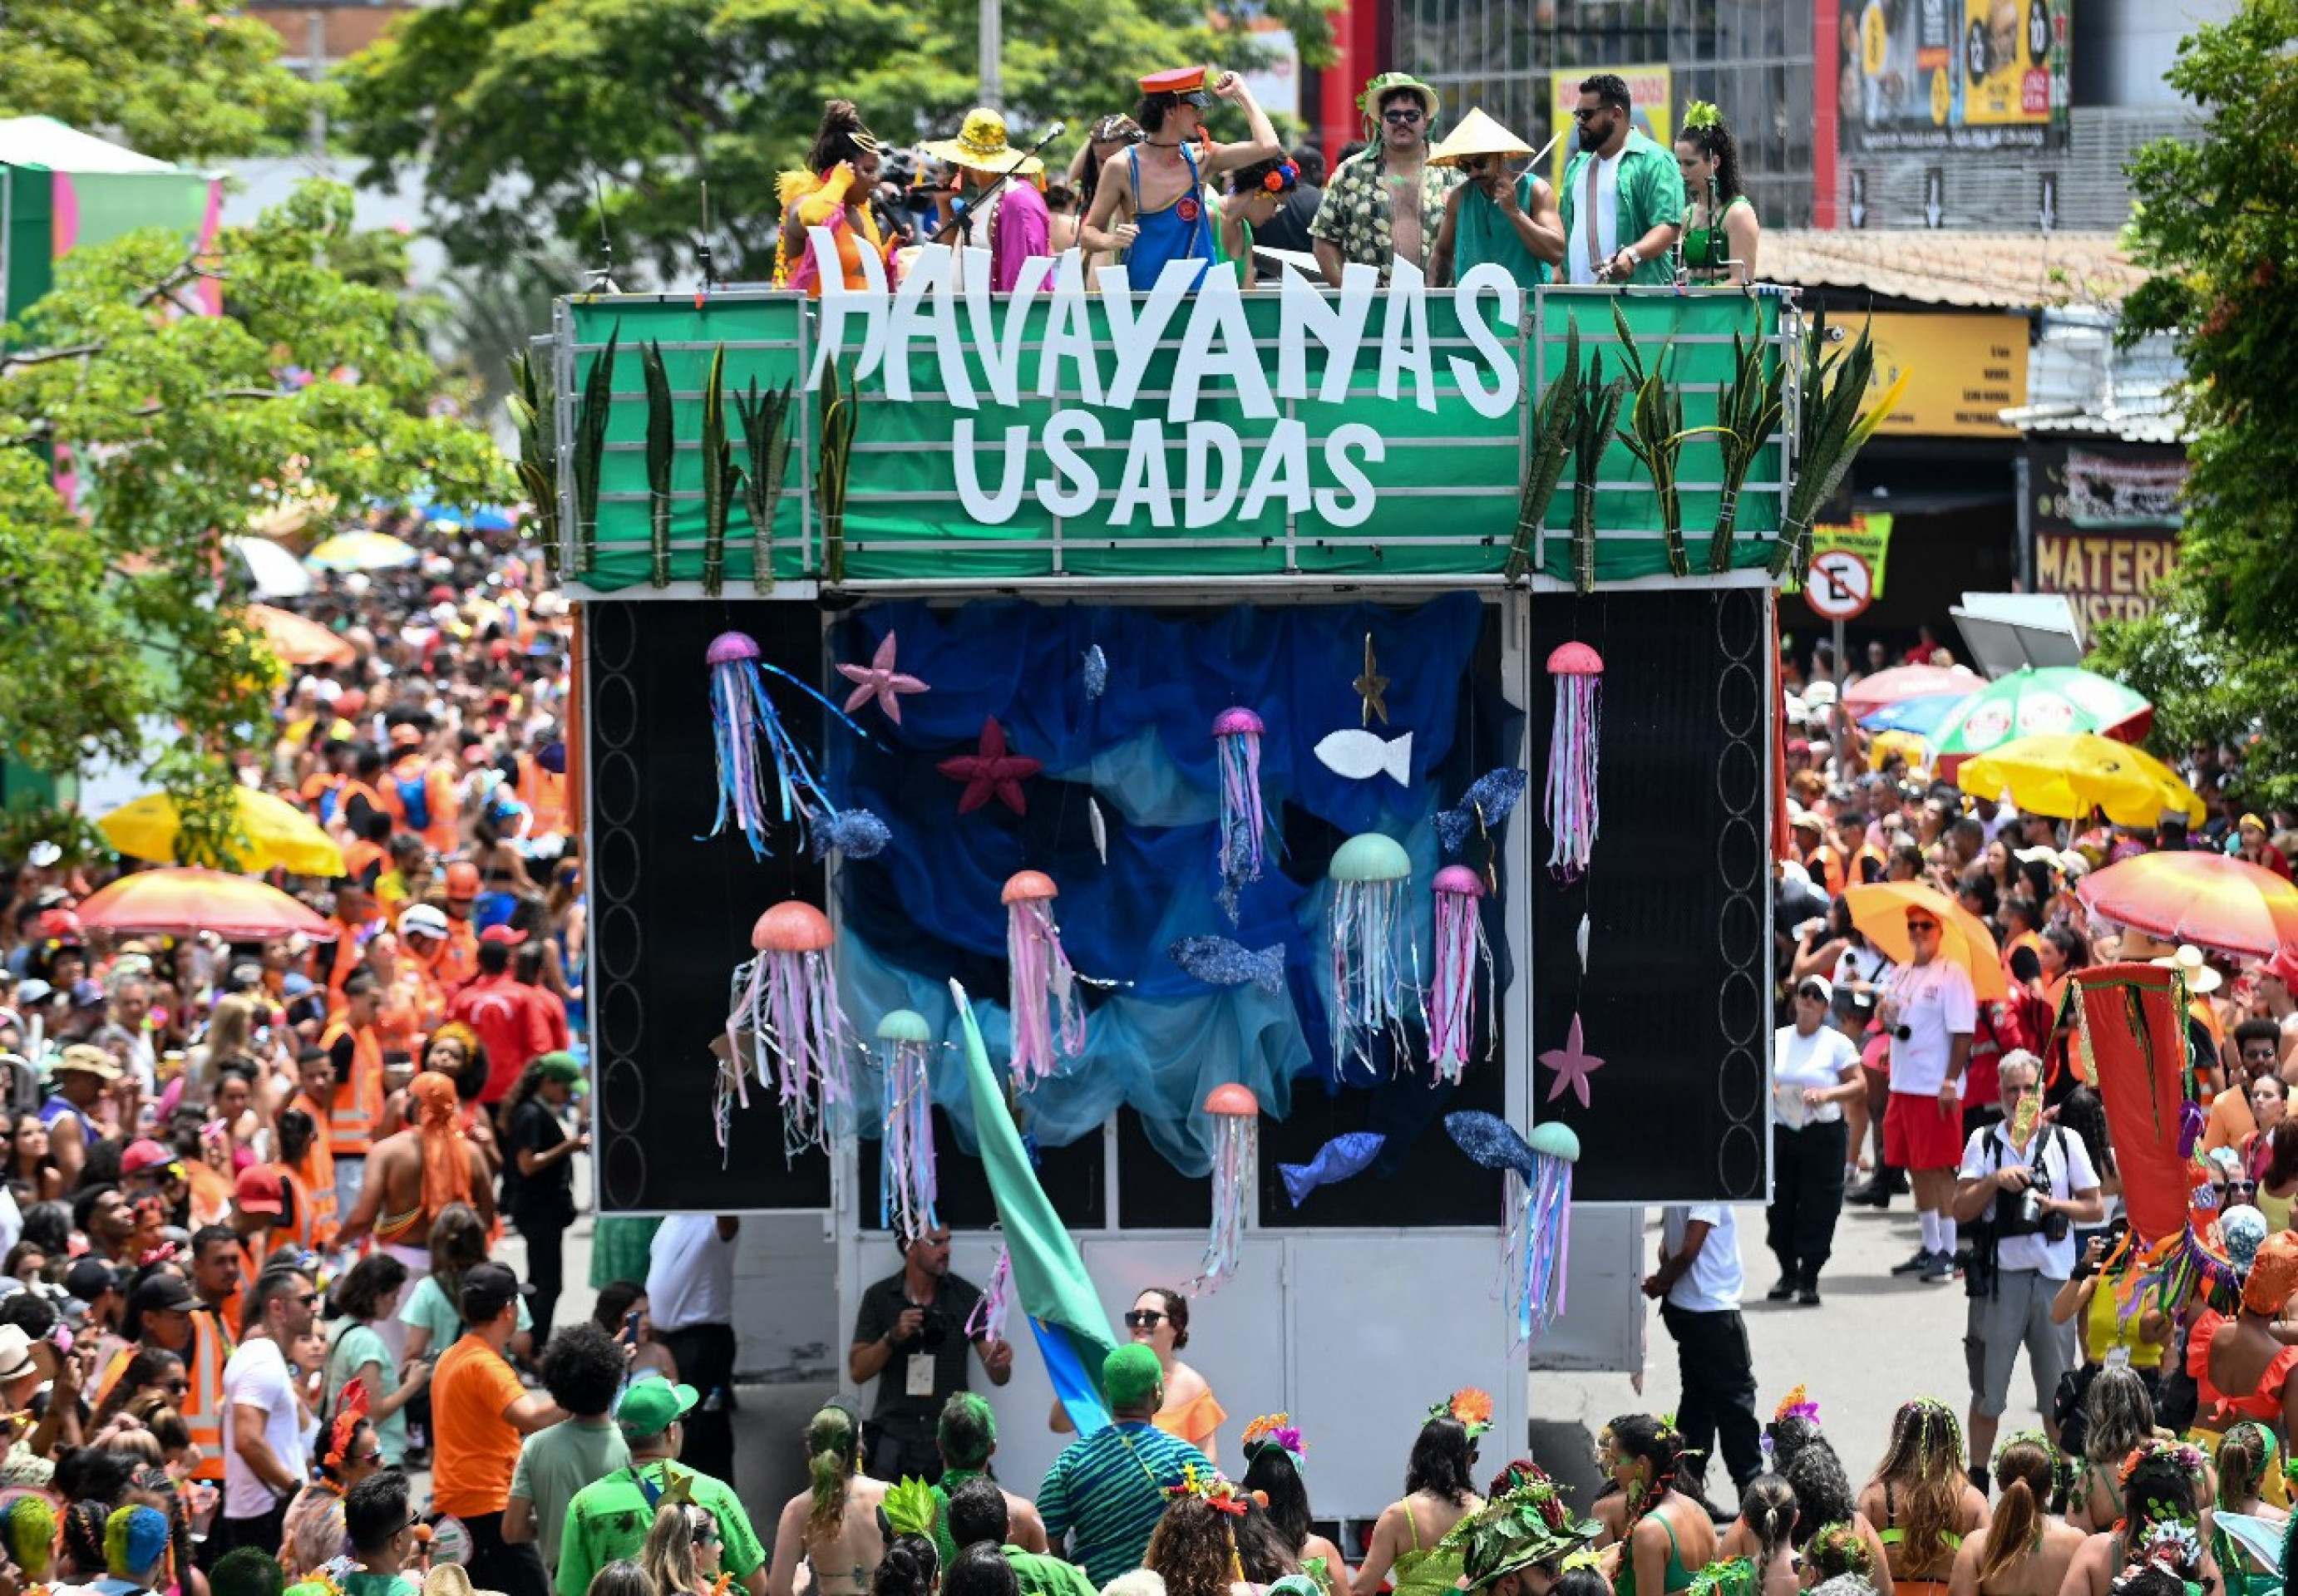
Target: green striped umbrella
2031	702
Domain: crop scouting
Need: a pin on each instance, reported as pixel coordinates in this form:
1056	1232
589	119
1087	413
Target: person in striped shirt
1106	1490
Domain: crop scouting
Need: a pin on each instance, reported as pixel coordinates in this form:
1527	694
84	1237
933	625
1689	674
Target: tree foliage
121	614
2218	227
519	108
176	79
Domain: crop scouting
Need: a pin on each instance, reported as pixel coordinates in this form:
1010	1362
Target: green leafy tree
120	613
2218	227
174	79
520	110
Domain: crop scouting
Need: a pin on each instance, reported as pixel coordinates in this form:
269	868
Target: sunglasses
1142	1319
177	1388
310	1299
1403	116
1589	116
1814	993
1926	928
2242	1186
375	1457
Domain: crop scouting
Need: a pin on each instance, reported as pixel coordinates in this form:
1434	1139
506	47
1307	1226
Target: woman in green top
356	1351
1255	194
1664	1534
1273	1457
432	1314
1921	1500
1720	229
2246	1456
1437	1495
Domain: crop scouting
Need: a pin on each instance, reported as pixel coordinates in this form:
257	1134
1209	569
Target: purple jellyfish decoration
1243	826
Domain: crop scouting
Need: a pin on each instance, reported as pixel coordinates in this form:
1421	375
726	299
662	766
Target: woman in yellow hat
833	192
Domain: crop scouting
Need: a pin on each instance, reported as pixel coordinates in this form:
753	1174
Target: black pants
499	1565
546	1270
705	1354
904	1455
1719	1388
230	1534
1807	1197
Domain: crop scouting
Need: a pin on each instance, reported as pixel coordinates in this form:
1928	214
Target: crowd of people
1151	186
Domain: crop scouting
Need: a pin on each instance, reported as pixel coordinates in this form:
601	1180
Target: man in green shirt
582	1369
1623	201
382	1533
609	1519
1511	223
978	1513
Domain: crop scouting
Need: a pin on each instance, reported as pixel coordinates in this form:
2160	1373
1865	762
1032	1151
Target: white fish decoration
1361	756
1101	830
1581	940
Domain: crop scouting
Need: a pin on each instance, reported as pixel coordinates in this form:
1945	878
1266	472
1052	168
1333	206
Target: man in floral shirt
1370	215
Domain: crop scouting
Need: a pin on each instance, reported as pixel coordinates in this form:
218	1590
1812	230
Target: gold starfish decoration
1372	687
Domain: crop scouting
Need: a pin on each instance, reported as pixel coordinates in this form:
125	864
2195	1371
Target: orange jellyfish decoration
1041	988
1236	1130
786	998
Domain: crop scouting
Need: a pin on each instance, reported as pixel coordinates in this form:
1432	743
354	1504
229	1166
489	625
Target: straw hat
2200	978
1477	134
980	146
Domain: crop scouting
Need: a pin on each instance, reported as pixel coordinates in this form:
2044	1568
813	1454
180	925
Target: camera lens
1905	1033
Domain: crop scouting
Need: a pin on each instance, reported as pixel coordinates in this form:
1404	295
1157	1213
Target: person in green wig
967	1438
1106	1490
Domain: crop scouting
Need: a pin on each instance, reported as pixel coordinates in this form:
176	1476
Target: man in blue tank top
1150	204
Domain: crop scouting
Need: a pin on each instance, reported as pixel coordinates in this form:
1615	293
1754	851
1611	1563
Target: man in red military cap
1154	206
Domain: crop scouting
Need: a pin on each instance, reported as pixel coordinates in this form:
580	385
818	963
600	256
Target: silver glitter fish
856	833
1095	666
1493	795
1219	962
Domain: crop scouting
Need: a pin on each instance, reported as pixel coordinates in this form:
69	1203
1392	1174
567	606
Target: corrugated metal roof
2078	382
2001	271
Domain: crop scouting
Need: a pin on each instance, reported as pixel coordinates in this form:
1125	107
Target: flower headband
1213	1489
1279	1430
1797	1404
1472	1408
1283	178
351	1408
2187	1457
1700	113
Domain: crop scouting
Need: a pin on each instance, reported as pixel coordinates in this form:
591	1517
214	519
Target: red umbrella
181	900
1870	693
2209	899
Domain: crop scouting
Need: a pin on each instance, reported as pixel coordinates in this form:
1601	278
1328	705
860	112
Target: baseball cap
503	935
1819	695
1826	987
421	920
560	1066
145	1153
260	1190
89	1278
651	1407
488	1288
243	975
462	880
162	1291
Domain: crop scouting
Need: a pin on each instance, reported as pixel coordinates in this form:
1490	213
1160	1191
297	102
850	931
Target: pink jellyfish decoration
1041	986
1237	741
1579	673
1236	1131
757	754
906	1184
1370	947
1461	953
787	1001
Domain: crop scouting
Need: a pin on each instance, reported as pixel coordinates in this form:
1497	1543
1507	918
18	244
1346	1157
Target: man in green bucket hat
1517	1544
1385	203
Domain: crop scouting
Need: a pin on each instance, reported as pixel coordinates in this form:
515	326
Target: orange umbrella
1879	912
1870	693
298	641
2212	900
183	900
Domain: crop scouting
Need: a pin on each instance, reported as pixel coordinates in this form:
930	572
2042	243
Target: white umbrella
278	574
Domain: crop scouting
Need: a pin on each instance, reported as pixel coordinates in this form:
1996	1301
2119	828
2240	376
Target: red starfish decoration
988	770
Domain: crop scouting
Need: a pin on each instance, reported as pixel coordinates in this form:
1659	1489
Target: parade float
1324	736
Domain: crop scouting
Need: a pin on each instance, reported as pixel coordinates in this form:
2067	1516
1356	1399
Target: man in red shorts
1928	1008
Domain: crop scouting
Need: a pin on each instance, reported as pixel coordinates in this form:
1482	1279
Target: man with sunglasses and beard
1623	201
263	1453
1386	201
909	1335
1930	1010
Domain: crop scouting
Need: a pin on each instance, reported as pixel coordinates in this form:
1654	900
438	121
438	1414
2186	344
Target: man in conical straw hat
1016	225
1507	217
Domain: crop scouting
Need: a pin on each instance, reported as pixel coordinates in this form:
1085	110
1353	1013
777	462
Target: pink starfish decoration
881	681
1573	1064
988	770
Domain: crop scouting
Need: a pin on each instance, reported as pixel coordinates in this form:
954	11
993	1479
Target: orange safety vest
456	964
544	794
315	1175
315	1218
359	1102
203	1404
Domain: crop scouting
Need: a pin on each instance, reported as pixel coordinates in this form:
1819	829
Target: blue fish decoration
1495	793
856	833
1336	1160
1219	962
1490	1140
1096	673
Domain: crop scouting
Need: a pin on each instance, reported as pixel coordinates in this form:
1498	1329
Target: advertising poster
1965	370
1650	87
1921	75
2105	518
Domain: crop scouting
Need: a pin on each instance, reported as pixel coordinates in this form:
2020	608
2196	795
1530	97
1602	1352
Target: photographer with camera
909	1335
2024	1185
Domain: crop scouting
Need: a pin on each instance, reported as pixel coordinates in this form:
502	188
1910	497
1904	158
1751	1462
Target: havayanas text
1085	369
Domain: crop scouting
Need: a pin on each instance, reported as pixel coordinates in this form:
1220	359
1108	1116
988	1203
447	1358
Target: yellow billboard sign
1963	370
1650	87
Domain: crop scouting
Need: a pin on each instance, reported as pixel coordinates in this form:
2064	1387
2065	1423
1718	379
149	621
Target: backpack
415	798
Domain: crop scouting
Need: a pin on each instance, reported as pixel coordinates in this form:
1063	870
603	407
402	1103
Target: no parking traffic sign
1840	586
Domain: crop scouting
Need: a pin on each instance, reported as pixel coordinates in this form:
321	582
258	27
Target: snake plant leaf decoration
1551	428
1656	436
1599	411
1830	431
533	413
840	411
1747	410
590	451
721	478
661	449
764	416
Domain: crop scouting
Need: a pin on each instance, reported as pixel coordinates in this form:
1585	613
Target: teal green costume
1650	193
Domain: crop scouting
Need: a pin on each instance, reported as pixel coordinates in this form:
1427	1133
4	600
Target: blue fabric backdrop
927	909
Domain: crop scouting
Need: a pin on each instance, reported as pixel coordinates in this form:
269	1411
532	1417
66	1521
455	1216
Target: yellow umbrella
361	551
279	836
2070	773
1879	912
